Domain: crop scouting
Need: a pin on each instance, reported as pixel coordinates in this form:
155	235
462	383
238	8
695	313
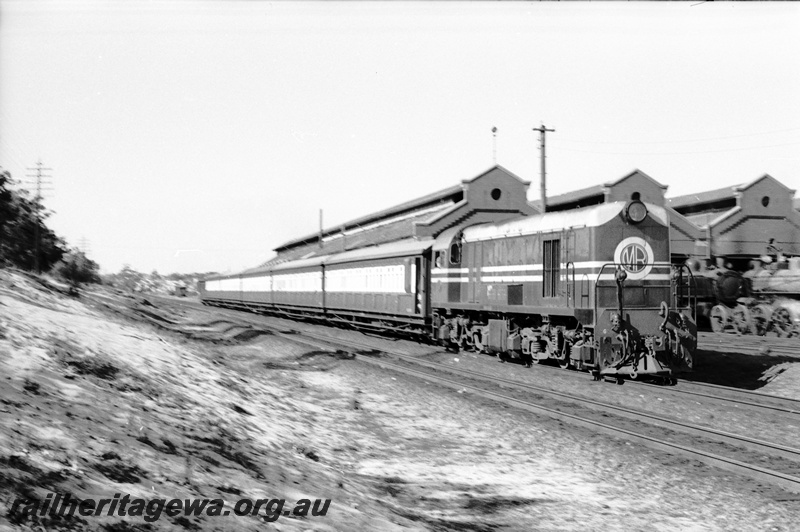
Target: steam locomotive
590	289
764	299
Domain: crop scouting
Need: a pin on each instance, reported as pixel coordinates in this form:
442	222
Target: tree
19	217
76	268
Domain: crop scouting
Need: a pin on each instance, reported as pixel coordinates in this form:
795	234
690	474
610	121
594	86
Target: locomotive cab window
455	253
439	259
551	267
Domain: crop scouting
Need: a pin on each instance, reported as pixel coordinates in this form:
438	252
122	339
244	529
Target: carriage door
424	282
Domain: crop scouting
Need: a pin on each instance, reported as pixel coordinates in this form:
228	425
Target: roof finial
494	145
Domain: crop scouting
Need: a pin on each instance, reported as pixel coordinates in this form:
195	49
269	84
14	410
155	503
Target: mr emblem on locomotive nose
635	255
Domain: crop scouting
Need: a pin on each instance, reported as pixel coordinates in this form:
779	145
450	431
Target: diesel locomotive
591	289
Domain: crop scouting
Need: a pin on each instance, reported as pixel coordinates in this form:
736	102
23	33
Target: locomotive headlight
636	211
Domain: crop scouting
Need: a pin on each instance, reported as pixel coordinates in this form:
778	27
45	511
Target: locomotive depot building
493	196
740	223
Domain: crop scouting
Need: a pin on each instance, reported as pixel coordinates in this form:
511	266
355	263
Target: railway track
764	461
761	460
722	394
748	344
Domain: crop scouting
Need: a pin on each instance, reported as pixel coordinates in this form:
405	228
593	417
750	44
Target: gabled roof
759	179
719	194
449	194
572	196
492	169
636	171
444	197
576	196
709	196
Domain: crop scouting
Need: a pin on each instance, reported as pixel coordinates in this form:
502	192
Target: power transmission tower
542	131
84	246
41	184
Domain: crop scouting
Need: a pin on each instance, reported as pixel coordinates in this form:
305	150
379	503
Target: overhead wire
695	152
707	139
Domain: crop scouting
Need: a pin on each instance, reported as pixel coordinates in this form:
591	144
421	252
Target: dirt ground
96	401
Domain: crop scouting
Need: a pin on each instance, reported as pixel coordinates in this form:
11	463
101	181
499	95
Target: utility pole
320	228
40	179
542	131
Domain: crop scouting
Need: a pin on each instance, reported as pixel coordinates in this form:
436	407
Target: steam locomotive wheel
719	318
782	322
742	319
761	315
477	342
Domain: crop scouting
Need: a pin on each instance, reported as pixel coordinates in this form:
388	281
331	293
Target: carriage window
551	264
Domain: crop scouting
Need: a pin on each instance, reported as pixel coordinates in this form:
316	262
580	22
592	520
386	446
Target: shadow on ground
740	370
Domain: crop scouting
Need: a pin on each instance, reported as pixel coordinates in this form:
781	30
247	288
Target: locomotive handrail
691	297
597	282
570	289
585	289
597	285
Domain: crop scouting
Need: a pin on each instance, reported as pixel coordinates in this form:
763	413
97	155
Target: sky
192	136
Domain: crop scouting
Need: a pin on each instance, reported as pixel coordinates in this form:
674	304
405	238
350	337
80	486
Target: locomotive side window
551	266
439	260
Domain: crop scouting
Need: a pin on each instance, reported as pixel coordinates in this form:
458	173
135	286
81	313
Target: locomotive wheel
782	322
719	318
761	315
476	341
565	364
465	344
742	319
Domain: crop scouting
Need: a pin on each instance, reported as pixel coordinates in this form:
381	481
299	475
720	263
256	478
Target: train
763	300
742	243
591	289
